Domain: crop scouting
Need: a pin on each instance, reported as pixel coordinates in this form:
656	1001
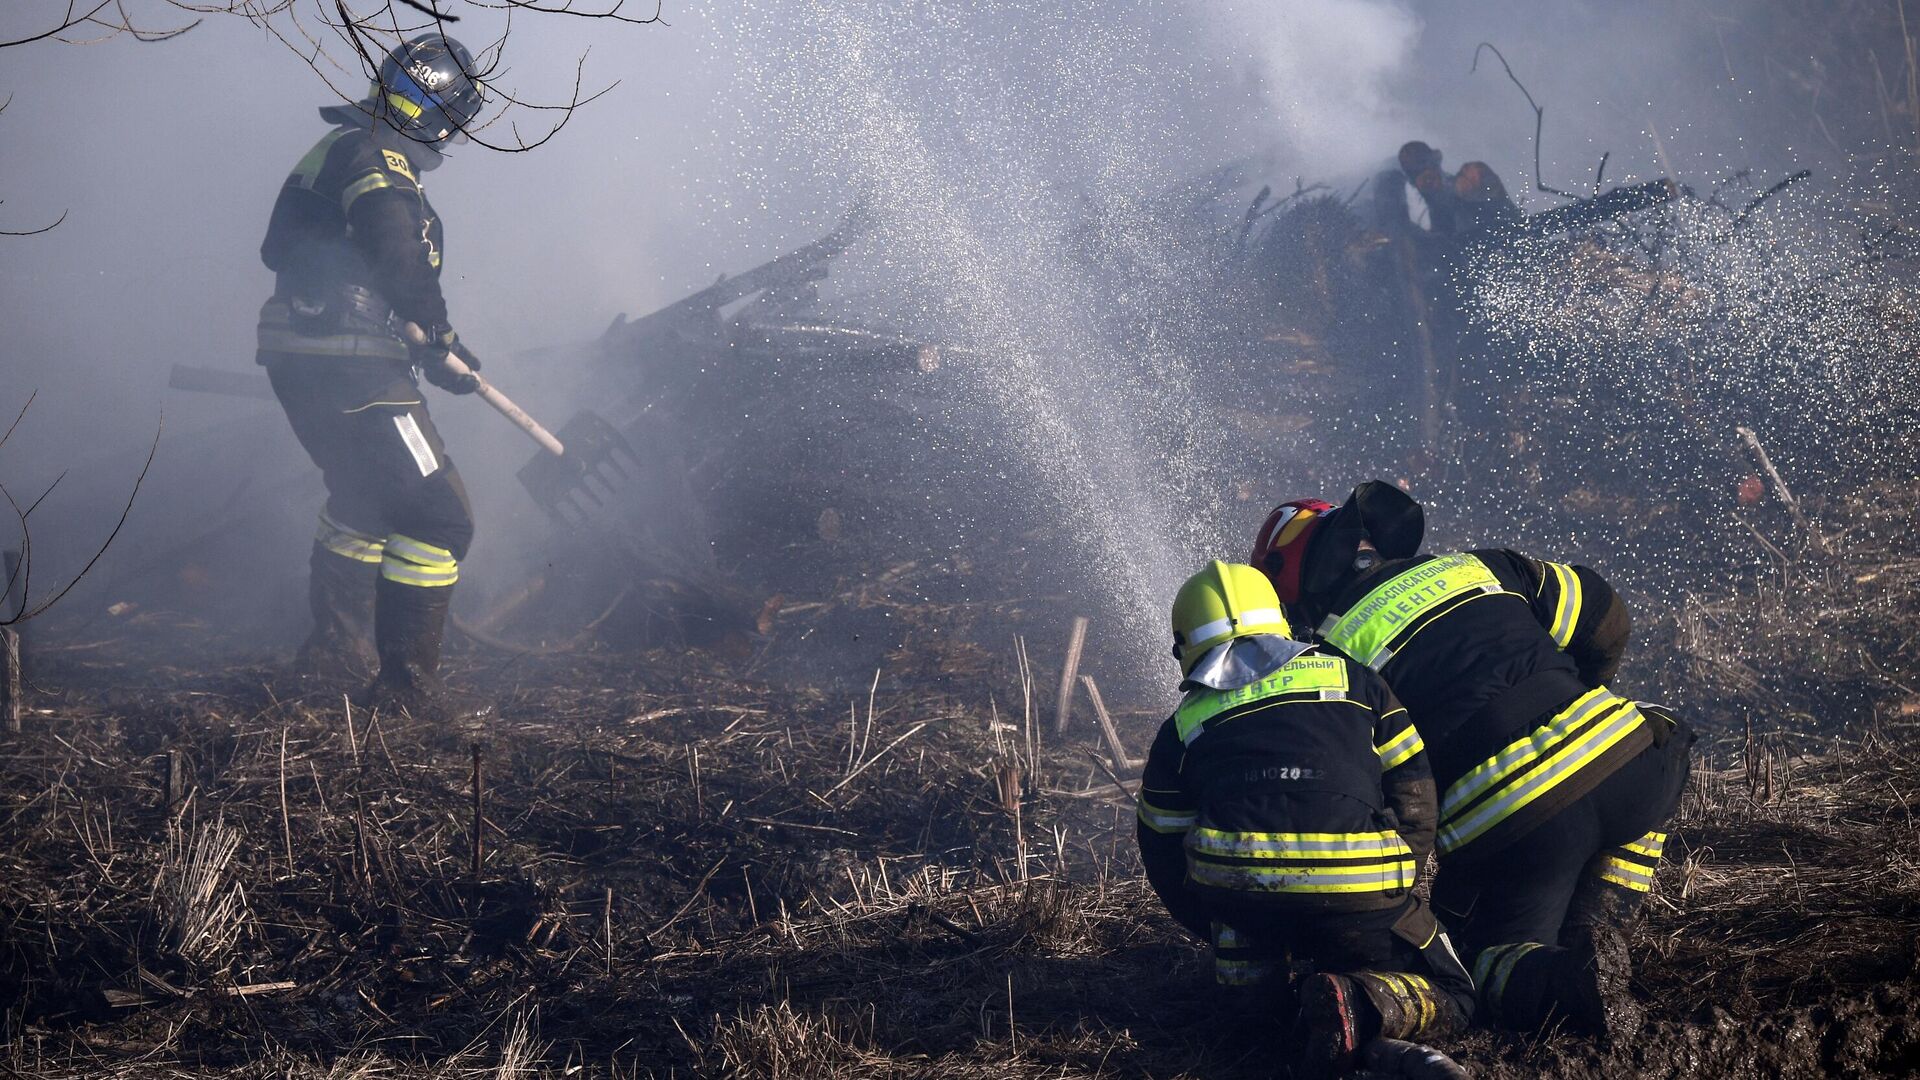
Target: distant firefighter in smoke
1553	789
355	248
1285	814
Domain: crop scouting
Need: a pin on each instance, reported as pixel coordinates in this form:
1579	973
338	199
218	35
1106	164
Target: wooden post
1063	702
173	780
1111	733
12	683
1780	488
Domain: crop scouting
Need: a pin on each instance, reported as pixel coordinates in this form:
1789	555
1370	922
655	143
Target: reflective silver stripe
1249	621
417	445
1621	872
407	573
1650	845
1566	612
1226	937
1566	761
1304	879
1253	845
1401	748
425	554
412	562
351	543
1166	821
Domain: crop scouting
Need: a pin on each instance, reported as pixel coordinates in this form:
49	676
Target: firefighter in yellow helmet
1284	816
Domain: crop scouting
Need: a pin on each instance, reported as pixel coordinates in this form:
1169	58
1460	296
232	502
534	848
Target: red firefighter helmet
1280	551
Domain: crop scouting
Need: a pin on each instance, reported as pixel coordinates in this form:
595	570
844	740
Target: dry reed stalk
479	817
201	912
1063	701
286	820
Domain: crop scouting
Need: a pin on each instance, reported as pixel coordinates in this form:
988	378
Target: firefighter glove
431	358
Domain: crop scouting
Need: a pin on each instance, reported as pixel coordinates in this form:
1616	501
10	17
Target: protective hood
423	156
1376	511
348	115
1242	662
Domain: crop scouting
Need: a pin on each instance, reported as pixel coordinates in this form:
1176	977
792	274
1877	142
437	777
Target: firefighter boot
1335	1020
340	595
1527	985
408	625
1409	1006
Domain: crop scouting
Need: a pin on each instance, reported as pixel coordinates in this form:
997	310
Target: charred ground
687	870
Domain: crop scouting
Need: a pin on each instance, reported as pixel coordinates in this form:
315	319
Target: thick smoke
1048	184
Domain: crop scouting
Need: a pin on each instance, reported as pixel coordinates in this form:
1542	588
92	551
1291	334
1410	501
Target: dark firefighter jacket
1502	660
352	239
1307	789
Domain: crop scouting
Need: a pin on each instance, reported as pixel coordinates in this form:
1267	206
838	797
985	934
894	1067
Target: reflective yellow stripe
1553	753
1495	966
1395	607
1626	874
411	110
1523	752
367	183
1223	843
408	574
1650	845
1303	879
419	551
1309	678
1166	821
308	169
1566	612
1409	989
351	543
1242	972
1401	748
414	562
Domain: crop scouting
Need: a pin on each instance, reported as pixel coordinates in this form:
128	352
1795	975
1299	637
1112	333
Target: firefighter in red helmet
1554	791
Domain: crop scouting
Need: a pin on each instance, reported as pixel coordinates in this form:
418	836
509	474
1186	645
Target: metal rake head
598	465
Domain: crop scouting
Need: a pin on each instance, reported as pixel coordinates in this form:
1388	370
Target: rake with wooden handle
563	480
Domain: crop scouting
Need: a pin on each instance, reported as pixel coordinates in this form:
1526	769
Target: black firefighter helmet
425	89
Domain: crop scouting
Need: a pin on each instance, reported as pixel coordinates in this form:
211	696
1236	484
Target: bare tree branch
23	571
1539	116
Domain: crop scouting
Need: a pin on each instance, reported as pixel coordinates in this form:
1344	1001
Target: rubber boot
1526	986
1597	904
1335	1021
409	623
1409	1006
340	595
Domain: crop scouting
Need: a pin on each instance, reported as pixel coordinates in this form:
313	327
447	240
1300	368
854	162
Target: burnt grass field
674	867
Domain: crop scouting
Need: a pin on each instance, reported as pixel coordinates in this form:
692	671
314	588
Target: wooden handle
501	403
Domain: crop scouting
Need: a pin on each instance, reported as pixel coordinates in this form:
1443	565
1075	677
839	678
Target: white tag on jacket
416	441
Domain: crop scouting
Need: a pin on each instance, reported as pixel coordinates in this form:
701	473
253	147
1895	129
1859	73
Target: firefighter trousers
1544	921
394	497
1400	955
1589	863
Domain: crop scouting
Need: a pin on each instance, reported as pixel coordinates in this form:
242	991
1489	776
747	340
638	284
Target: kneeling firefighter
1285	813
1554	790
355	248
